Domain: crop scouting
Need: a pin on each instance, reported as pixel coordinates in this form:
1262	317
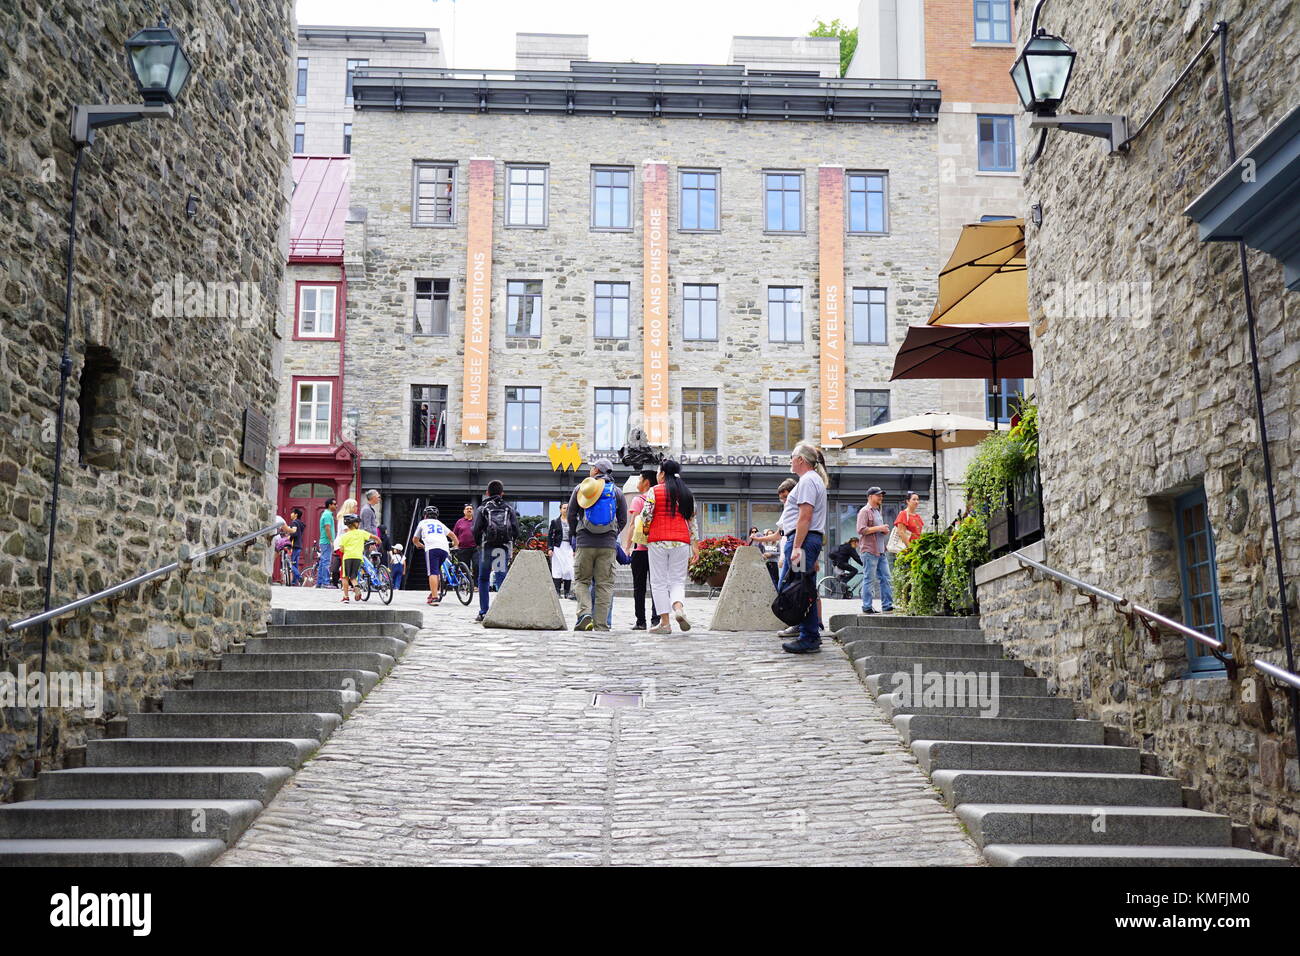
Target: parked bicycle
308	575
455	576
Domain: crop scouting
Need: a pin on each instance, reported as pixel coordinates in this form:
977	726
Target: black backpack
795	599
496	531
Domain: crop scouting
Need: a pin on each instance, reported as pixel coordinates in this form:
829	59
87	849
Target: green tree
848	40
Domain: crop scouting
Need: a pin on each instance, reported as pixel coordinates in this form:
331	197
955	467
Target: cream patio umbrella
984	281
924	432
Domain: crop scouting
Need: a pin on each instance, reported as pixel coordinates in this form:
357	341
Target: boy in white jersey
432	535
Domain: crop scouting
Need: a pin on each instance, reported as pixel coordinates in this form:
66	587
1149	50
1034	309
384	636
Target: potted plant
712	561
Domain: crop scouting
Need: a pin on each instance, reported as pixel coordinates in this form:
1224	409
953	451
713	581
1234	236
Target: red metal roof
320	206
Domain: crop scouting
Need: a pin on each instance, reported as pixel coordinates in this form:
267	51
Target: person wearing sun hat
597	513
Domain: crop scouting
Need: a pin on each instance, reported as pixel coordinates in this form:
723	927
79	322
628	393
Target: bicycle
454	575
307	576
839	587
374	577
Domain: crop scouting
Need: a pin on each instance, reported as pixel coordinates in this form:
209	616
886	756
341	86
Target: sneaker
799	647
790	632
684	624
661	629
478	619
868	610
585	623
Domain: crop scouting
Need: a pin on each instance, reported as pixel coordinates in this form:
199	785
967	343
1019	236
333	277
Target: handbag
895	544
795	598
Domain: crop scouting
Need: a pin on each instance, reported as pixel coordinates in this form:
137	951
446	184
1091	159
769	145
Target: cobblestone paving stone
483	747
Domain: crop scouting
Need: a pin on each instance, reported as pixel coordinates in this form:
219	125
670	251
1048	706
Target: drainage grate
617	700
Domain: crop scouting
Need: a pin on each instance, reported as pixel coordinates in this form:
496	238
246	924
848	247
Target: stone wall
569	256
1145	393
160	466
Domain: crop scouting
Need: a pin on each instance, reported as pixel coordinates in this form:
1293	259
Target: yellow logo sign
564	457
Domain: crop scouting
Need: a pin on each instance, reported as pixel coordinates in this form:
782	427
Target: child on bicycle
352	543
433	537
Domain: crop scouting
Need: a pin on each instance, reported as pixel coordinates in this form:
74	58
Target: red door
310	496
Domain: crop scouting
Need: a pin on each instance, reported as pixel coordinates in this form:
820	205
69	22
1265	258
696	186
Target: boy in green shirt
353	544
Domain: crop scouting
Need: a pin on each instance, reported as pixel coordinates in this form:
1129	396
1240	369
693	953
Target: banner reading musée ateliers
830	253
478	300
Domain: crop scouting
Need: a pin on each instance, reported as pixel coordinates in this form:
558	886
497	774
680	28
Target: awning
984	280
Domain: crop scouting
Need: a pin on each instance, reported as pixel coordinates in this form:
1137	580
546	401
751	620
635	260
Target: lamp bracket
87	119
1106	126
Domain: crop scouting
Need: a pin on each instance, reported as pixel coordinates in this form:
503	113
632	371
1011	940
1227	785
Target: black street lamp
160	69
1041	75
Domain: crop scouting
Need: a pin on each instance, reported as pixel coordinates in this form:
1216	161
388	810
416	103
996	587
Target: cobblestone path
483	747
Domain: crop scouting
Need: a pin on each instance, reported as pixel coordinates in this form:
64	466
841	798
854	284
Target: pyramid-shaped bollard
527	600
746	600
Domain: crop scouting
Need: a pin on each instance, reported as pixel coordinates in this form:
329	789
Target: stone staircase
182	784
1032	785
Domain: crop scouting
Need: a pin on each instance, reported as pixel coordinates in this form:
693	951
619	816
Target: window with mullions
435	194
432	297
523	419
869	326
783	198
997	144
784	313
784	418
700	420
613	407
700	313
299	136
428	416
353	65
867	202
524	308
993	21
302	80
1199	569
1000	407
611	310
526	196
871	408
699	200
611	198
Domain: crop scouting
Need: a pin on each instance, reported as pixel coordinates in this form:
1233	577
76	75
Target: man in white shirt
432	535
803	540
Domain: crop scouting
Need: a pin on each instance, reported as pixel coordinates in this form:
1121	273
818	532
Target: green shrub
969	544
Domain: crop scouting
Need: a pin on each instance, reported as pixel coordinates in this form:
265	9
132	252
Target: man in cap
873	533
597	513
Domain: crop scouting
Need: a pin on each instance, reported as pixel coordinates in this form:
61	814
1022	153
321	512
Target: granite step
259	701
222	820
175	783
391	646
337	679
911	635
355	614
1061	787
879	664
403	632
1012	854
316	726
1086	825
839	621
1029	730
875	648
935	755
116	853
878	684
1001	705
200	752
366	660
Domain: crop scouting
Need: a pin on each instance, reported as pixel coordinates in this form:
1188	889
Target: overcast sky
662	31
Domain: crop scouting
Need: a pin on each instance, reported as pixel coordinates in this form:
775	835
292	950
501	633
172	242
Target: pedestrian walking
397	566
597	513
668	517
496	526
370	513
773	539
561	553
432	536
873	533
352	543
463	544
803	541
637	546
326	544
295	528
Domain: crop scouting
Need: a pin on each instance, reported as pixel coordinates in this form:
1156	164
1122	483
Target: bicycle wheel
363	582
830	587
384	585
309	577
464	583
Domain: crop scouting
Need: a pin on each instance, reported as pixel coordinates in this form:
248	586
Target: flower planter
718	578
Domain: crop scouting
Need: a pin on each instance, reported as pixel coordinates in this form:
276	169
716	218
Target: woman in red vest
669	521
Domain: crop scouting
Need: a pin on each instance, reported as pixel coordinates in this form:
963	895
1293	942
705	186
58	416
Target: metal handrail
1216	646
184	562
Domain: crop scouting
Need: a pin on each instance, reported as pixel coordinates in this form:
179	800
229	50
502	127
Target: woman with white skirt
561	553
669	521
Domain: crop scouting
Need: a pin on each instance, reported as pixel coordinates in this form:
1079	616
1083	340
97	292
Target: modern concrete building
325	62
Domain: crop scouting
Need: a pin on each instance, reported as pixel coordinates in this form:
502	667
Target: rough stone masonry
159	381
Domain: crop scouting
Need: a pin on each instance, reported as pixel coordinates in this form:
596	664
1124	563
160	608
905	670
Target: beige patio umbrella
984	280
924	432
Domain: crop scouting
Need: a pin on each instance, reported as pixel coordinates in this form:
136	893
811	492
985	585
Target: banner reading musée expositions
478	303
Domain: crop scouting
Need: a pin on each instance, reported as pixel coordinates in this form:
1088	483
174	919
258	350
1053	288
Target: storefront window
717	518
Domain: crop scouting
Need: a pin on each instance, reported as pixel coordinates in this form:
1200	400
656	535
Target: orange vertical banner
830	254
654	319
478	303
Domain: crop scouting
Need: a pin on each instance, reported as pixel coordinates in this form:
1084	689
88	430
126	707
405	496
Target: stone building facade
1151	463
172	340
395	263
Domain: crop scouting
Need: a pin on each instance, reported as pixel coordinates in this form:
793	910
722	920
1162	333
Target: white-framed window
316	310
611	312
699	313
302	81
526	196
784	313
315	403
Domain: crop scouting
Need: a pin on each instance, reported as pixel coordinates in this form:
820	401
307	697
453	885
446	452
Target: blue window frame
867	202
992	21
1200	576
1000	407
997	144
